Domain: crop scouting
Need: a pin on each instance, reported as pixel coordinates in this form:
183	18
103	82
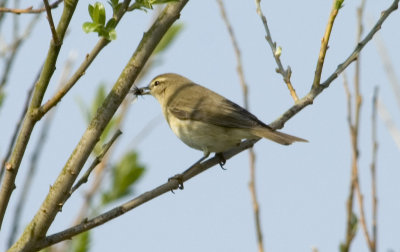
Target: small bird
205	120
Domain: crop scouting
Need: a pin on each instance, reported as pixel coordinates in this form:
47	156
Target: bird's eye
156	83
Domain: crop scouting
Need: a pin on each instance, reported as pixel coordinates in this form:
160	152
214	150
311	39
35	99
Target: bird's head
164	86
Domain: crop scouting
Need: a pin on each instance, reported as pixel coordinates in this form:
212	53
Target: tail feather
276	136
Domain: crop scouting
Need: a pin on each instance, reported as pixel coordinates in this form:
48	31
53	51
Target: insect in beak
140	91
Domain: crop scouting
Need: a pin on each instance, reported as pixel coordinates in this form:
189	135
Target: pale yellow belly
206	137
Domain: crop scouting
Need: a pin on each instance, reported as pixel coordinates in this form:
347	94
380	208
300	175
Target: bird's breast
204	136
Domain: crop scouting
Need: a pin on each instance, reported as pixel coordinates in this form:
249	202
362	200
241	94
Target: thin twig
256	205
354	125
252	156
30	9
51	23
388	66
350	232
18	126
324	43
239	67
95	162
373	168
276	52
389	122
2	4
145	131
14	48
358	98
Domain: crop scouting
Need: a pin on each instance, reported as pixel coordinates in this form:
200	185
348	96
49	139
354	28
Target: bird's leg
222	160
179	176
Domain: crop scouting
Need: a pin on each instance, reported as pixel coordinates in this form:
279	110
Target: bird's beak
145	90
141	91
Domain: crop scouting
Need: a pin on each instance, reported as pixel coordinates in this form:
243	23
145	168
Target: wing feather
207	106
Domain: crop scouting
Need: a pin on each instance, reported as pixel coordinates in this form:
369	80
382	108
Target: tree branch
30	9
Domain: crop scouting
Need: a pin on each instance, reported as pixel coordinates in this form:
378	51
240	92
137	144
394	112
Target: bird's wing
207	106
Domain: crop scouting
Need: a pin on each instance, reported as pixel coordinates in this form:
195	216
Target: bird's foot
222	160
179	178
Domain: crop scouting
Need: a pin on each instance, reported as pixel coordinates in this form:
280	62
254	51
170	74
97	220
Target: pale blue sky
302	189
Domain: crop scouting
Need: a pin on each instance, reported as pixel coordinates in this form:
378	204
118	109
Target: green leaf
147	4
99	14
163	1
90	9
124	176
354	224
84	109
2	95
168	38
111	24
90	27
99	98
89	111
81	243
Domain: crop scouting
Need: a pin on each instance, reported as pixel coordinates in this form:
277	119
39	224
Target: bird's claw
222	160
179	178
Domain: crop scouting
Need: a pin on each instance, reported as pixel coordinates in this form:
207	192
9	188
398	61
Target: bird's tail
276	136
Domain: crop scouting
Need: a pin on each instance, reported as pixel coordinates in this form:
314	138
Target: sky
302	188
